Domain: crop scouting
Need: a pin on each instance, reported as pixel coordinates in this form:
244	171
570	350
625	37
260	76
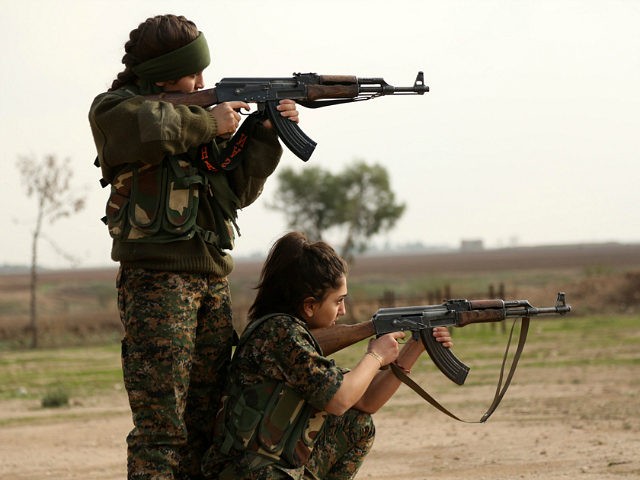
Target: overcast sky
529	134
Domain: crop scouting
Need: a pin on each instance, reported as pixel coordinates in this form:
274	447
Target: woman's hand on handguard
287	109
443	335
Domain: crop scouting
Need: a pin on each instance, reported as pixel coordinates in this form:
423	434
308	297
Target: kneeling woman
288	411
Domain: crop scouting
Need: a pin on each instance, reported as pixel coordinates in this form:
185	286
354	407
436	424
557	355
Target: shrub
55	397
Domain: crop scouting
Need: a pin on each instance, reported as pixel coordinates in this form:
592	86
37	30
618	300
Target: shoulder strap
500	389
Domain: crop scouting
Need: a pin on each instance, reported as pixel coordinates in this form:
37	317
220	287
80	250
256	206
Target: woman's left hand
287	109
443	336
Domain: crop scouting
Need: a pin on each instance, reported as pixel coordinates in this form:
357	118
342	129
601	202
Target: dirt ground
568	415
578	422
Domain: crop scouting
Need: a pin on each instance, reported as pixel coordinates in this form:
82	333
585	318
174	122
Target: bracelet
376	356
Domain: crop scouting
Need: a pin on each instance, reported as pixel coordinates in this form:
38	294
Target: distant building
471	245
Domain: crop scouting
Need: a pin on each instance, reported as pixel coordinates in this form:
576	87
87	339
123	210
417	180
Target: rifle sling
500	388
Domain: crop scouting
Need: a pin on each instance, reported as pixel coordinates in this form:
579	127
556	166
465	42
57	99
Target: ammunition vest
268	421
159	203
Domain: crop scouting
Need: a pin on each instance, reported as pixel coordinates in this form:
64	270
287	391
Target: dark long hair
294	270
154	37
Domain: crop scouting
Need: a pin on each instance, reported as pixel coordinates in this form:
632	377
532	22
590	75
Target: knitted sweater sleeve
264	152
128	128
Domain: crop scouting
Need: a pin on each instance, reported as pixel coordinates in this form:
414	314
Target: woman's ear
309	307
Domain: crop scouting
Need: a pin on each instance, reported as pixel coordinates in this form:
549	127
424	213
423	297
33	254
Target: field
572	410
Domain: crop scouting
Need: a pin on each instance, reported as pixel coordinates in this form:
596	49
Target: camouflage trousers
342	446
175	353
338	453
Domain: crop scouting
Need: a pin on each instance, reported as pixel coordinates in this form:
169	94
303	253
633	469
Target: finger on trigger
397	335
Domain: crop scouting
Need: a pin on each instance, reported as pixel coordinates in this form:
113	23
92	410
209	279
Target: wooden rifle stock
201	98
337	337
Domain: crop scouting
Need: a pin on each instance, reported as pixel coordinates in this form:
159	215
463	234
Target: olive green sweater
129	129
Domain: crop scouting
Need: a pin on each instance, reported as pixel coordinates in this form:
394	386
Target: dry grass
79	306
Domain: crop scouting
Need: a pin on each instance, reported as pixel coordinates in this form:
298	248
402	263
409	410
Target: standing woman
288	411
171	214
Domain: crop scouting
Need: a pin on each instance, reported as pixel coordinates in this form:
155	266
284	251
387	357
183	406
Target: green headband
192	58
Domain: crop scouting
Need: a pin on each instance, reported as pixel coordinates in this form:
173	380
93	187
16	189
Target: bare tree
49	182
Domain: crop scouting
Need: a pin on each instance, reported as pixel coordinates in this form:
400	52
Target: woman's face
324	313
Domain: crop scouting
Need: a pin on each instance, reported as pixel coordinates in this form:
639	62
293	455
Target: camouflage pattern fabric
283	350
154	202
342	446
175	353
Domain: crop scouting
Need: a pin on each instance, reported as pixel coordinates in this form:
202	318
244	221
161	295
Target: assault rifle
421	320
307	89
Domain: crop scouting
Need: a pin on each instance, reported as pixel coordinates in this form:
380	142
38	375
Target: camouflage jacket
138	141
279	364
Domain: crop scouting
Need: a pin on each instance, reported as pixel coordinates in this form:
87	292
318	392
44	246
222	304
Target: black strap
500	389
233	153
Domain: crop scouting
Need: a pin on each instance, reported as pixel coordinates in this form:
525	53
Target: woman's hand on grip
227	117
386	347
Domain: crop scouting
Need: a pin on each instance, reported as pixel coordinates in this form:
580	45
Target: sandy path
554	424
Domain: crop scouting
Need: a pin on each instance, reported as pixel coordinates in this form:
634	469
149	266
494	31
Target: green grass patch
570	341
80	371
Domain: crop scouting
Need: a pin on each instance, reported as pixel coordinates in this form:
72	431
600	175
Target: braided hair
296	269
153	37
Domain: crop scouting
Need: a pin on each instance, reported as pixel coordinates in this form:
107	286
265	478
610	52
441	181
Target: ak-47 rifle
421	320
308	89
